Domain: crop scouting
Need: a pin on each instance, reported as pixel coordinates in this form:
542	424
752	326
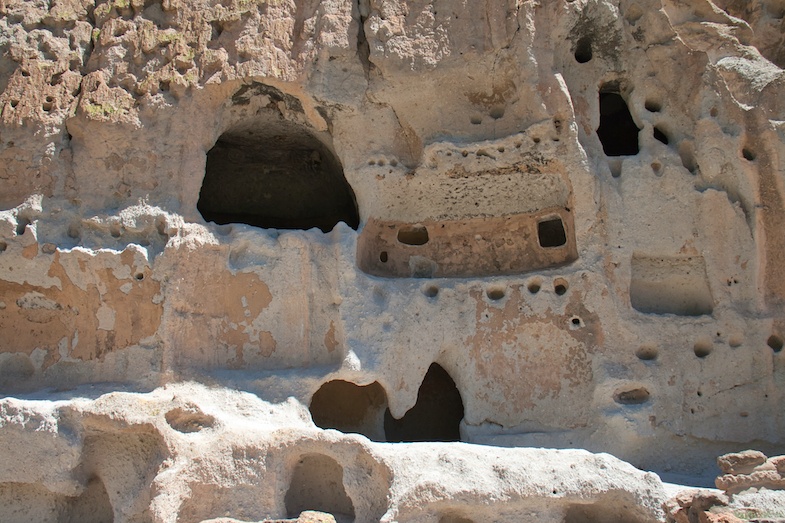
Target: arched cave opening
435	417
317	484
275	174
617	131
348	407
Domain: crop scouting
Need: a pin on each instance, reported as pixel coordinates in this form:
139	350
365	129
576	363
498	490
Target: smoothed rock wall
573	208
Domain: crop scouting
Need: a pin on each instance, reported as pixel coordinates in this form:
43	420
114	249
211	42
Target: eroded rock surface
750	469
127	457
521	223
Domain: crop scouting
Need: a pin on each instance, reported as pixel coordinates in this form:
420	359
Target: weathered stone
510	223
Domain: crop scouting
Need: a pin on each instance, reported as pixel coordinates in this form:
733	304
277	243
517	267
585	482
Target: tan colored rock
129	455
741	462
750	469
516	224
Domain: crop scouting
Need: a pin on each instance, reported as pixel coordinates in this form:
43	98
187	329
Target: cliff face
561	223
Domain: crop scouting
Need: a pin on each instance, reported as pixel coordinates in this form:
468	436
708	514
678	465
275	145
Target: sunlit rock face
518	224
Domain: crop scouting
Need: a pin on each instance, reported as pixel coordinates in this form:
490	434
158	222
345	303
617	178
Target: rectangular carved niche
670	285
472	247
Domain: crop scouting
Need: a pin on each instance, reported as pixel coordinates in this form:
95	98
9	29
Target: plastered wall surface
560	224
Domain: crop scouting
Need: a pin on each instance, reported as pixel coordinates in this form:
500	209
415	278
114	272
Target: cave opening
275	174
317	484
617	131
348	407
583	50
435	417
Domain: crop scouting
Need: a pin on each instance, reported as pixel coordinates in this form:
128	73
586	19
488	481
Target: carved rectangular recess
472	247
670	285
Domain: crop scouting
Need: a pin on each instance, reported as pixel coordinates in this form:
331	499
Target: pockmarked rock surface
189	452
511	224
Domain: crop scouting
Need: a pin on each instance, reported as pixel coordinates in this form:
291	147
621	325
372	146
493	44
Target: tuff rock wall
574	209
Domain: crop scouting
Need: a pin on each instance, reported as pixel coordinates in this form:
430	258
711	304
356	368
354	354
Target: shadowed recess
670	285
583	50
347	407
617	131
275	174
317	484
551	233
435	417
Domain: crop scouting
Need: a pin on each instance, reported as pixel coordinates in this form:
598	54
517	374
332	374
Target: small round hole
476	120
394	163
495	293
534	287
713	112
536	139
139	276
3	246
560	286
656	167
647	353
702	348
383	257
583	51
74	231
653	106
748	155
775	343
431	291
497	112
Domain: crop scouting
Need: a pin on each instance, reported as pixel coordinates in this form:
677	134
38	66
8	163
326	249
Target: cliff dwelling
392	261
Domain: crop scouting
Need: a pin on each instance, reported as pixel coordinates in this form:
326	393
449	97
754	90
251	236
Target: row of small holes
703	348
560	286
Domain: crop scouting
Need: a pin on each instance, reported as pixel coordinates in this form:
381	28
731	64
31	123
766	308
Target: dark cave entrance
348	407
435	417
617	131
275	174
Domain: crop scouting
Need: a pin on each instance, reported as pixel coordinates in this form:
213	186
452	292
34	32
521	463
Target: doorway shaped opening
435	417
348	407
618	132
272	173
317	484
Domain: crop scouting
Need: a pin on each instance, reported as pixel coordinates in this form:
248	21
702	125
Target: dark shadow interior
347	407
550	233
275	174
583	50
435	417
617	131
